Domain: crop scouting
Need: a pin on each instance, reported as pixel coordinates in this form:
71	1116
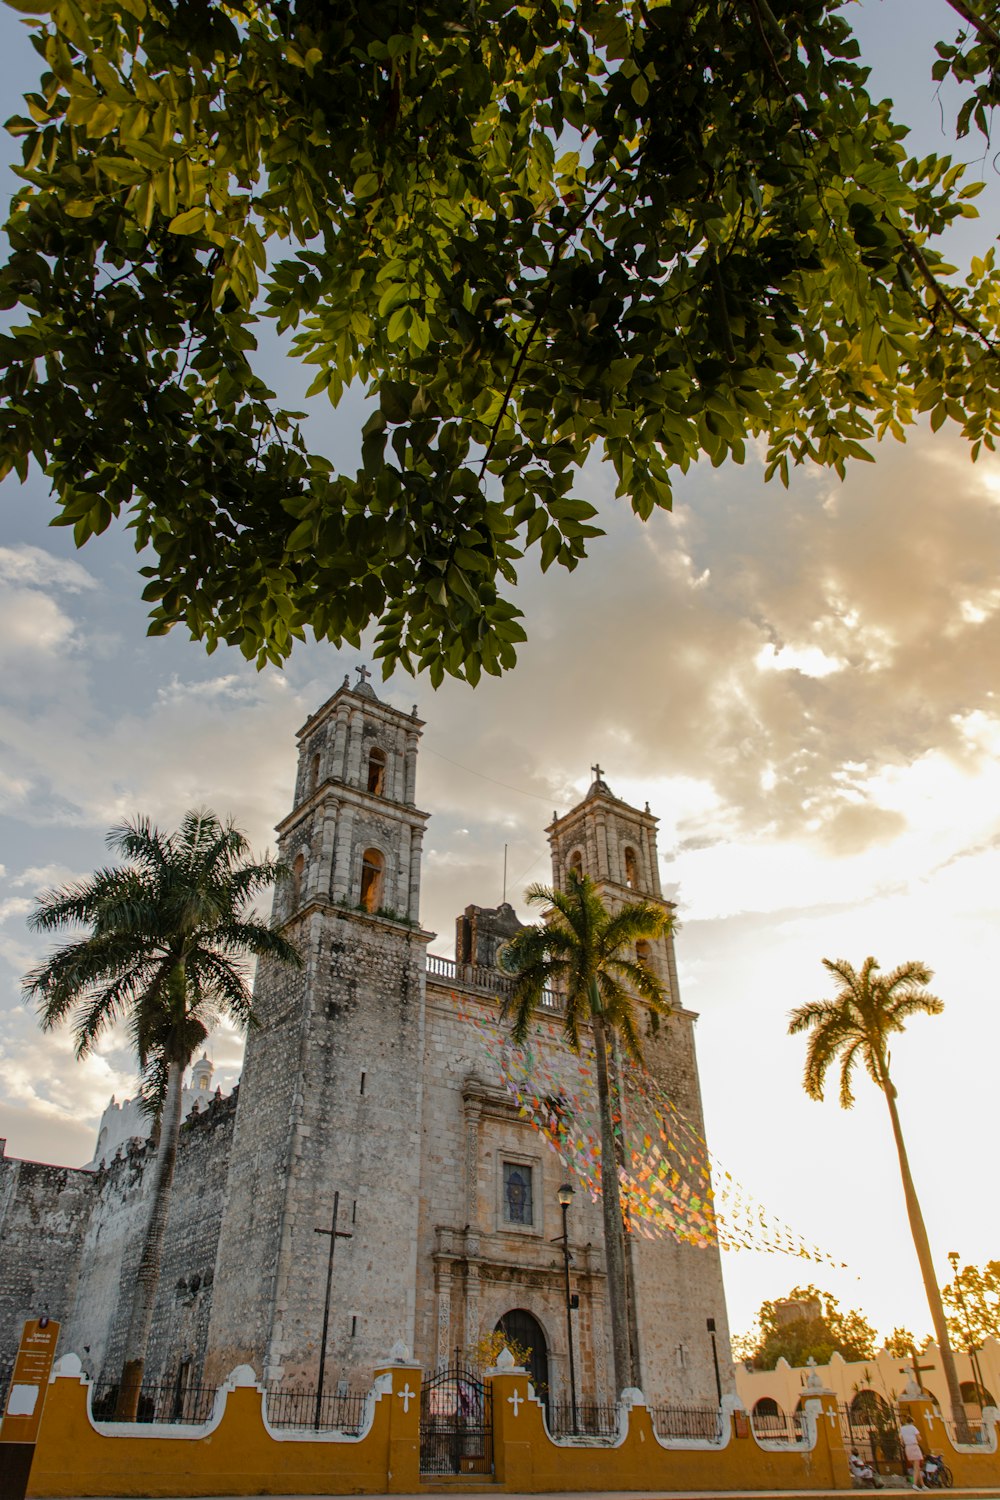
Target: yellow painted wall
529	1461
969	1465
238	1455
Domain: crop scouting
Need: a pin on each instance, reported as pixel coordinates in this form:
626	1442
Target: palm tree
583	951
856	1026
166	955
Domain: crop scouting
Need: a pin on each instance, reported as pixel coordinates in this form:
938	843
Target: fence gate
456	1423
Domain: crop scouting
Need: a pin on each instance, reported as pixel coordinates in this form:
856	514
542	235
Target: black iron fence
875	1435
589	1420
339	1411
972	1431
700	1422
456	1423
779	1426
188	1405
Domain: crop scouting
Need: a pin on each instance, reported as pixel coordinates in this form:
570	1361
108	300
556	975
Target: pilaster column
323	866
473	1115
652	863
472	1298
672	981
353	774
342	857
613	842
603	869
443	1344
410	774
413	904
338	763
401	895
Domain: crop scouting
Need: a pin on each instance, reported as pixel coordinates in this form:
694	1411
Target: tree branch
982	28
943	296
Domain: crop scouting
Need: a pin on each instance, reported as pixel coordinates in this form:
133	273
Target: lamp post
973	1352
710	1325
565	1196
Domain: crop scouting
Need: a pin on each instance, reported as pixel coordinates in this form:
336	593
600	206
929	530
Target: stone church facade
372	1077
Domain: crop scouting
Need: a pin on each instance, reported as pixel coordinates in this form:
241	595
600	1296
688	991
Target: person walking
909	1436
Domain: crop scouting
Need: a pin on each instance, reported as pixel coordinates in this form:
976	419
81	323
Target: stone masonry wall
96	1324
43	1218
473	1268
332	1100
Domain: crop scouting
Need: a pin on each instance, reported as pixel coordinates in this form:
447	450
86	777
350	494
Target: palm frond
170	936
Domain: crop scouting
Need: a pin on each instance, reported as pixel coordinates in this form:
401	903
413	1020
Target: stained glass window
517	1207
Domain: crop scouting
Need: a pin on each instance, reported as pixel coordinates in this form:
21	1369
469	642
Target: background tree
855	1026
164	955
980	1288
807	1324
654	231
585	953
901	1343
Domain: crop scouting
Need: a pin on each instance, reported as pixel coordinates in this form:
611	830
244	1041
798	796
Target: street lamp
973	1352
565	1196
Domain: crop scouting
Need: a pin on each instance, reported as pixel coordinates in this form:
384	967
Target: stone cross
406	1396
598	773
363	673
515	1400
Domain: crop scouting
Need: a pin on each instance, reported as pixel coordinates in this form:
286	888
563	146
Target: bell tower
353	837
615	844
673	1287
332	1088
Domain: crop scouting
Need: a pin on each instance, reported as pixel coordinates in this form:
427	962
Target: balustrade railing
482	977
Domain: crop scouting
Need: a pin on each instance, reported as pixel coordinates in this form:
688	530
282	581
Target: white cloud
31	625
809	660
33	567
15	906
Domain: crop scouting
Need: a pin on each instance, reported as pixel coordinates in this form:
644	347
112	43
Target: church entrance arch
523	1329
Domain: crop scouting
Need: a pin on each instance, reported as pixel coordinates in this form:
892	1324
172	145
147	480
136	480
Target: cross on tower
335	1235
598	773
363	673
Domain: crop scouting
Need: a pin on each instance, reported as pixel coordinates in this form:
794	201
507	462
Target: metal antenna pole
335	1235
505	872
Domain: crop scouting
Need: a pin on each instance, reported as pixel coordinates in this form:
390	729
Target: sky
802	683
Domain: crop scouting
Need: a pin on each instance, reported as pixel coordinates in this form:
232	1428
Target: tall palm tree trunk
922	1244
631	1300
148	1275
614	1229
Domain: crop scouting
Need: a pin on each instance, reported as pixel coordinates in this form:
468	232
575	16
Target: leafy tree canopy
806	1324
973	1302
901	1343
654	228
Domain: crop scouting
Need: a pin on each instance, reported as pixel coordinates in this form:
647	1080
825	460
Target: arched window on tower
576	862
298	875
372	877
376	772
631	870
313	774
643	953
